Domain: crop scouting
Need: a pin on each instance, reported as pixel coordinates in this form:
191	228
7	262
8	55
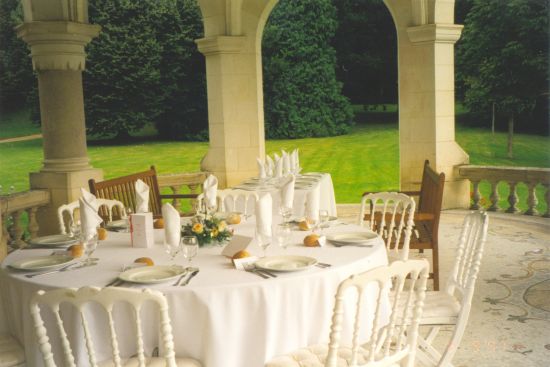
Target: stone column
426	109
235	107
57	51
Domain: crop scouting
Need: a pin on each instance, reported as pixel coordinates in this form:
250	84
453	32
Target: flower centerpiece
208	230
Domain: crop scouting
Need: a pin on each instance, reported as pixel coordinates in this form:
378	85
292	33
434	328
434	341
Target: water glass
128	214
74	228
190	247
323	218
90	244
286	213
282	235
263	241
172	249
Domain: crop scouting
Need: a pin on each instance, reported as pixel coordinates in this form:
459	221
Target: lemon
145	260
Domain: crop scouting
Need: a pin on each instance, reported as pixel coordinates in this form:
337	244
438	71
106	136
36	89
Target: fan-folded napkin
89	198
261	169
294	161
210	189
89	219
142	197
286	163
172	224
269	165
278	168
312	202
287	191
264	215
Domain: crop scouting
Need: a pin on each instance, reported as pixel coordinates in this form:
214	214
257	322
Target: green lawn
365	160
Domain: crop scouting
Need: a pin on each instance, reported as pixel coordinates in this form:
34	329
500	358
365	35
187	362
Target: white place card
239	263
237	243
142	230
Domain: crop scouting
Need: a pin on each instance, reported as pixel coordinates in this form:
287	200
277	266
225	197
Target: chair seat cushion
155	362
315	356
11	353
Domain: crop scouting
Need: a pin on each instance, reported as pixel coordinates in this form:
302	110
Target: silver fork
251	268
73	266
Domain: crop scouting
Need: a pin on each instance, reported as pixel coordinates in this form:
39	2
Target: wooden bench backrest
123	189
431	192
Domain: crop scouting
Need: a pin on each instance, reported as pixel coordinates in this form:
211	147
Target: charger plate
286	263
352	238
152	274
38	263
56	240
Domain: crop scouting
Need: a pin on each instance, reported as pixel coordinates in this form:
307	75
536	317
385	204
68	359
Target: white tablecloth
327	200
224	317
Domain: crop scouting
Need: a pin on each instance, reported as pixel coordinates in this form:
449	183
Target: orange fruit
311	240
76	250
303	225
145	260
101	234
159	223
233	218
241	255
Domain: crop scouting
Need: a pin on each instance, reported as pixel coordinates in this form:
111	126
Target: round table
224	317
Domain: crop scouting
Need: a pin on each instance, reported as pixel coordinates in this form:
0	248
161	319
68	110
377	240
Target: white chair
106	298
390	214
233	200
11	353
391	343
105	206
451	306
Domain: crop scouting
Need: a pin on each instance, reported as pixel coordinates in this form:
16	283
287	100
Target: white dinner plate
54	240
152	274
286	263
117	224
352	238
38	263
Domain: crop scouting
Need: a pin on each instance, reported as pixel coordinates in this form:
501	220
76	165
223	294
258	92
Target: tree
17	81
366	49
503	57
302	95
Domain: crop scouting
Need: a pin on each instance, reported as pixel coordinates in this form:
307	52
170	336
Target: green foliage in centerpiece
208	230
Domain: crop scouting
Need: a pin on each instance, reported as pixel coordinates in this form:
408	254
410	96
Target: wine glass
172	248
129	212
90	244
74	228
285	212
313	223
190	247
263	240
282	235
323	218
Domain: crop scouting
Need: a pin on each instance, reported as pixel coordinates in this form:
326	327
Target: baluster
513	198
494	197
194	189
33	224
547	198
476	197
532	200
3	238
175	201
18	229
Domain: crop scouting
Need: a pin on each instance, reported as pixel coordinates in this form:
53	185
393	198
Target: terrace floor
509	323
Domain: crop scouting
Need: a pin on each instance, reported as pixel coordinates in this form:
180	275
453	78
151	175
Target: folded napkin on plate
287	191
89	219
286	163
264	215
89	198
172	224
269	165
261	168
312	202
295	161
210	189
142	197
278	171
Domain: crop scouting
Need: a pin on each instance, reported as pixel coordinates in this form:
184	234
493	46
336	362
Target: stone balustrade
12	210
192	181
530	176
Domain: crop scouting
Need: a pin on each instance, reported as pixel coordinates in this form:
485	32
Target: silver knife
65	268
195	272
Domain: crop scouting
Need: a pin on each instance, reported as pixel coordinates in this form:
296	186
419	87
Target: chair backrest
233	200
106	298
431	193
390	343
106	211
123	190
390	214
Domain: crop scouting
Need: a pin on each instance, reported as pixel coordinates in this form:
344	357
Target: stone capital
220	45
57	45
435	33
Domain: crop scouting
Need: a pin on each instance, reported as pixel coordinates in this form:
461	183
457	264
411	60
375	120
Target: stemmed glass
190	247
90	244
323	219
286	213
74	228
263	240
128	214
172	249
282	235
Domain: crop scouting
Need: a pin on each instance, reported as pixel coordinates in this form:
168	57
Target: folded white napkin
278	171
261	168
89	219
210	189
89	198
270	165
295	160
286	163
142	197
287	191
312	202
264	215
172	224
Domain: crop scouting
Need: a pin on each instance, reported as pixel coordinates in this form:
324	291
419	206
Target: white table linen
224	317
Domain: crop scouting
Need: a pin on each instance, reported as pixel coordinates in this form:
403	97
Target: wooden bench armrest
410	193
423	217
179	196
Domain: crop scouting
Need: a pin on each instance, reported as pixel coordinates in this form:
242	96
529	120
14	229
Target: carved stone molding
435	33
220	45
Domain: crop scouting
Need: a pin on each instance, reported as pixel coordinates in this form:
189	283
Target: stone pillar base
64	188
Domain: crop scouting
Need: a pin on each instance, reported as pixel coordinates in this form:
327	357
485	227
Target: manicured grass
17	124
365	160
